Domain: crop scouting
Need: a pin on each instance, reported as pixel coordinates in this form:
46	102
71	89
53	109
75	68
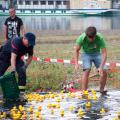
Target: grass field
44	76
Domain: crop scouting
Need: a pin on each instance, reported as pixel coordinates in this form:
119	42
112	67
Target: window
35	2
43	2
22	11
20	2
27	2
58	2
50	2
65	2
32	11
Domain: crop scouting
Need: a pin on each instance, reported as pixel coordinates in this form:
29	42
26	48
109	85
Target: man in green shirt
93	50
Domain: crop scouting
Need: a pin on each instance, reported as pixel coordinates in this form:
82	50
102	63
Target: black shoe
103	93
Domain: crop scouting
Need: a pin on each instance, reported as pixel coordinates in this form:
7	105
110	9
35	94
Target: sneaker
104	93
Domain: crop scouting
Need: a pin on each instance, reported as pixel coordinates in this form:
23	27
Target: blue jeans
88	59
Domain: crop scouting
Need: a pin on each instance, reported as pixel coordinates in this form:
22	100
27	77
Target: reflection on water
109	103
39	23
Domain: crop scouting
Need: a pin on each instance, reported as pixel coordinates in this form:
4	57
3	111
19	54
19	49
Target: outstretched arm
76	55
103	60
13	61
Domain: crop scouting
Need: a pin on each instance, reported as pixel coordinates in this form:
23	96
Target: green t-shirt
91	47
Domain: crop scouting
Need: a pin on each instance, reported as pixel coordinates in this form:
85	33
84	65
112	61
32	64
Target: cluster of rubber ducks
118	116
54	100
21	113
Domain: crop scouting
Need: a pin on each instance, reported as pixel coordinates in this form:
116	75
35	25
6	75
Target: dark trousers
5	63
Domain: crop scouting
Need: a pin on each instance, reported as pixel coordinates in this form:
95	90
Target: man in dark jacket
11	54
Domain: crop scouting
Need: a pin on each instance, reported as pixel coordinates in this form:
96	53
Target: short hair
91	31
11	7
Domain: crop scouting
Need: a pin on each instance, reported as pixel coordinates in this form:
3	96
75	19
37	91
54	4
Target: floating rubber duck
119	114
40	108
93	92
73	95
79	96
24	116
80	113
52	111
21	108
62	97
88	104
49	105
115	119
16	116
102	111
94	97
85	92
37	114
40	118
30	109
57	99
52	96
3	115
58	105
62	113
71	108
31	117
89	98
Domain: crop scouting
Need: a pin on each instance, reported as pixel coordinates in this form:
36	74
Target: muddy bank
70	36
73	32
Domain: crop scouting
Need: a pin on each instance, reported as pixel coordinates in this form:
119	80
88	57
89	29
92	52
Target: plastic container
9	86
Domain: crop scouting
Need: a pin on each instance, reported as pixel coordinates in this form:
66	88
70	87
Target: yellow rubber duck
3	115
37	114
30	109
52	96
21	108
88	104
118	114
79	96
94	97
62	113
24	116
62	97
40	118
80	113
57	99
89	98
31	117
16	117
73	95
49	105
115	119
102	111
58	105
52	111
93	92
85	92
71	108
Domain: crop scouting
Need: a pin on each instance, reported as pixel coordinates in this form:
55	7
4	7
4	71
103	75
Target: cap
31	38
